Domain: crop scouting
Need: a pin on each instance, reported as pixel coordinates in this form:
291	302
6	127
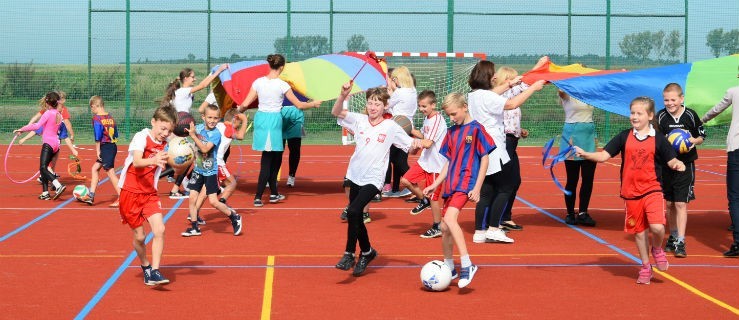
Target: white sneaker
478	237
403	193
290	181
497	235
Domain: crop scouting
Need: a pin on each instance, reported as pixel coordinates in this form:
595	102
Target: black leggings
574	169
359	197
397	167
293	144
511	143
269	167
47	153
494	195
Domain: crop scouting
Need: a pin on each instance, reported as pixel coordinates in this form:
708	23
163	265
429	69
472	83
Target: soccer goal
442	72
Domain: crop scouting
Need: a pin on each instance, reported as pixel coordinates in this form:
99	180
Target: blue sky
49	31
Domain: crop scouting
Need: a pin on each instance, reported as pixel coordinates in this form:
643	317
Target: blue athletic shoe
466	275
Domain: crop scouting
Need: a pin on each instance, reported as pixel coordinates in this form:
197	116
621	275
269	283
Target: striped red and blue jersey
464	146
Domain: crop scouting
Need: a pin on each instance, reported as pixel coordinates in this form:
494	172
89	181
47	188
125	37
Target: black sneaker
570	219
201	222
733	251
147	274
670	245
431	233
276	198
44	196
680	249
346	262
425	203
377	198
344	215
236	222
364	260
59	192
413	199
191	232
258	203
157	278
511	227
366	218
584	219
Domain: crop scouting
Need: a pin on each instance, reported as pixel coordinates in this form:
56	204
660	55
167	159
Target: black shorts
678	186
107	155
346	183
197	181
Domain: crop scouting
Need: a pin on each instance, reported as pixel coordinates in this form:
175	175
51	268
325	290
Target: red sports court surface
64	259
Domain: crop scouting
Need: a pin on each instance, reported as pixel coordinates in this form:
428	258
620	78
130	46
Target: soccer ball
679	139
436	276
79	191
181	153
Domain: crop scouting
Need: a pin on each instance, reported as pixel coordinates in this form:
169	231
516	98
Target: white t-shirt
576	110
434	129
182	100
403	101
271	93
487	107
211	98
227	132
369	162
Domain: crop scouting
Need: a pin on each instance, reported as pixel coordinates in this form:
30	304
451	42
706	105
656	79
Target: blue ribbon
557	158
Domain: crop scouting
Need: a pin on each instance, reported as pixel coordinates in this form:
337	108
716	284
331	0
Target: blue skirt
267	131
581	134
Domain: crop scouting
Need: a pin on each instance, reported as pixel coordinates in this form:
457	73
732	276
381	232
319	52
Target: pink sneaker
660	258
645	274
387	188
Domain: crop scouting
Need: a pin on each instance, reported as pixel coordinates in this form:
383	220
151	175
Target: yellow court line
698	292
268	280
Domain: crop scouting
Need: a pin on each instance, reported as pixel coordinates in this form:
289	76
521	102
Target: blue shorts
197	181
107	155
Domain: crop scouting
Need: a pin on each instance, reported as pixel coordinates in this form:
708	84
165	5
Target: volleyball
183	122
181	153
79	191
680	140
436	276
404	123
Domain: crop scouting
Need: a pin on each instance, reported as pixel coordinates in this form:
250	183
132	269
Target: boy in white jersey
207	139
232	127
429	163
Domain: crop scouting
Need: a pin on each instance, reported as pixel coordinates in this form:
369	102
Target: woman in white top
403	102
374	136
267	137
179	94
486	106
578	130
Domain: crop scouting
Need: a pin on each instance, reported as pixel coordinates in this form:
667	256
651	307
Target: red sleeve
229	132
65	113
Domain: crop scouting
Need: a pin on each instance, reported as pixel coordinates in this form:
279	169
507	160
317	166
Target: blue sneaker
466	275
455	275
235	222
157	278
147	274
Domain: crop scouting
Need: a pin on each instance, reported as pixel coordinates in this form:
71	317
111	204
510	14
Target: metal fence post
128	69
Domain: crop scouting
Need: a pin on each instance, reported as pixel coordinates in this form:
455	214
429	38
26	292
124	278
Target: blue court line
118	272
416	266
713	172
580	230
41	217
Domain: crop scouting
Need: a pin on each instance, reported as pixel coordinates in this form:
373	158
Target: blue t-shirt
205	163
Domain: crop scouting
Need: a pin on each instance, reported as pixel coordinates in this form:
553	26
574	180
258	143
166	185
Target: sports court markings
635	259
118	272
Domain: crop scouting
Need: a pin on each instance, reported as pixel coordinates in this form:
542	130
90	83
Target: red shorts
640	213
416	174
223	173
135	208
456	200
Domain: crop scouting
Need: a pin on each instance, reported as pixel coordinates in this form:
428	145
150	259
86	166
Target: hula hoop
6	165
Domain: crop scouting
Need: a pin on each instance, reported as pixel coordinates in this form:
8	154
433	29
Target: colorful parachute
318	78
704	84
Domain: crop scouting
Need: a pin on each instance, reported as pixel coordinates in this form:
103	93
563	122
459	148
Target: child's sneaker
290	181
276	198
670	245
44	196
344	214
115	204
363	262
680	249
171	179
431	233
177	195
235	222
425	203
87	199
466	275
258	203
59	192
497	235
377	198
455	275
478	237
366	218
147	274
157	278
201	222
660	258
387	188
191	232
346	262
645	274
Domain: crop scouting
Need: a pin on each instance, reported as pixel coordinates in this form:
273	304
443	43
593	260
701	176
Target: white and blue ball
436	276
